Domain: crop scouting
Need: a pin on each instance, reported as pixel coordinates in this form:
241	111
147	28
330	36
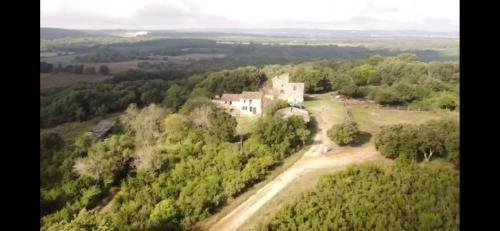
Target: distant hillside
55	33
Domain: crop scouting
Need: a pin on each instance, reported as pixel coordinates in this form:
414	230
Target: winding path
312	160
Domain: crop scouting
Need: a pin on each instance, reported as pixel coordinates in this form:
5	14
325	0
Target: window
294	88
244	108
282	91
250	101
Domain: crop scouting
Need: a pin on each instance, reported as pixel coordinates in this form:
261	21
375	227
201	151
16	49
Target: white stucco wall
257	103
238	106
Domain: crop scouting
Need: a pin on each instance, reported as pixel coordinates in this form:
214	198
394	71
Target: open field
117	67
332	109
370	119
61	80
91	41
374	43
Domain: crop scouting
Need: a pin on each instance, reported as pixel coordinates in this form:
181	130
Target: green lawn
245	124
325	105
370	119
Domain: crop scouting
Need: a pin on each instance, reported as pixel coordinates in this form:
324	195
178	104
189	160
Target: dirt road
313	159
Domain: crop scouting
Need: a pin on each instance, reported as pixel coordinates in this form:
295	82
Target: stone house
283	89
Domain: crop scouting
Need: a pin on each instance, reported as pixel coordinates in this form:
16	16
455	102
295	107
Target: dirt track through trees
313	159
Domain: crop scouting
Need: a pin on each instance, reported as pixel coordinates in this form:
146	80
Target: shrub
344	133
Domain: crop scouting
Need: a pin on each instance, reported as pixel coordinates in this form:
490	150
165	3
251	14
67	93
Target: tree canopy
370	197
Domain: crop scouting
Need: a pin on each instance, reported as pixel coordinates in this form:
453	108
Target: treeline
173	169
399	80
73	69
142	50
434	139
84	101
244	54
402	197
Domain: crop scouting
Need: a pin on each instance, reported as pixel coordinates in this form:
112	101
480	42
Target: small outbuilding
102	129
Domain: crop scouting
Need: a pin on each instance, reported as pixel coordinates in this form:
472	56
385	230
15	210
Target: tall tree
174	97
221	125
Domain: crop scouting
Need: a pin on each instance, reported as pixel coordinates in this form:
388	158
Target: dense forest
73	69
173	169
399	80
406	196
84	101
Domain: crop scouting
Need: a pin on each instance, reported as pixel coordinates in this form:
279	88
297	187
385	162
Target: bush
393	140
351	90
344	133
275	105
385	96
432	139
164	215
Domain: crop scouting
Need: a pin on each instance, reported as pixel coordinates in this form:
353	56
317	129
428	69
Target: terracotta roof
251	95
230	97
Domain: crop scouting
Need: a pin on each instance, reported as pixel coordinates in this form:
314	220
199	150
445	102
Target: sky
425	15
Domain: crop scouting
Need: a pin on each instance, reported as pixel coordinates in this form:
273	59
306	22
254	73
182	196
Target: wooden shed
101	130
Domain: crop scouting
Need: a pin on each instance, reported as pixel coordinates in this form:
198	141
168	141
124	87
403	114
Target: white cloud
327	14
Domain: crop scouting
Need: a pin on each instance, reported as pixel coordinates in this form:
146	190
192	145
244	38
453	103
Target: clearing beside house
304	173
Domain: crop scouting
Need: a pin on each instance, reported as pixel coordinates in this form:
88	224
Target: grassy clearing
370	119
325	104
69	131
233	203
245	124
